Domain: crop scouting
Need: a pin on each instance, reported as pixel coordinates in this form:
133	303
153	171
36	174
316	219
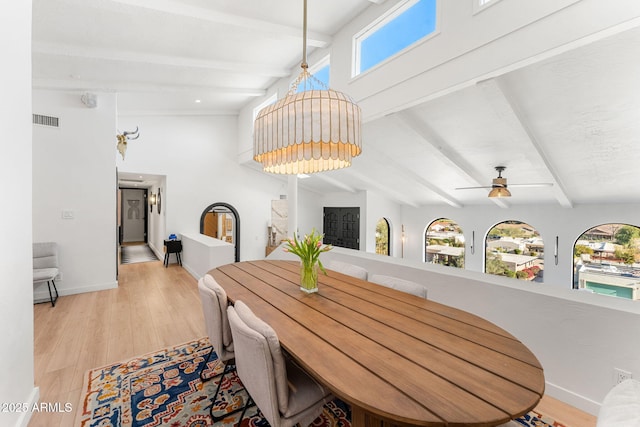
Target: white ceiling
572	120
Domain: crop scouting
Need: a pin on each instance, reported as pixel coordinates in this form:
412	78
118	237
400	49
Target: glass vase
309	278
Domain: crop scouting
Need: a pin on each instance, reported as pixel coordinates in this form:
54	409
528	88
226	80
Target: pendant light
310	131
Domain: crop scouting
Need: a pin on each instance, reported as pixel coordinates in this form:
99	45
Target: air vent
41	120
131	180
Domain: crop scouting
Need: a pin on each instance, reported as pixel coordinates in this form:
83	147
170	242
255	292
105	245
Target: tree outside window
382	237
606	260
515	249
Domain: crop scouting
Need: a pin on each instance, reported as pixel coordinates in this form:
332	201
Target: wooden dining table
395	358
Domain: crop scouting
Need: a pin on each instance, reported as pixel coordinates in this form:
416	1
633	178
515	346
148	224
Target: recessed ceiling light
198	101
303	176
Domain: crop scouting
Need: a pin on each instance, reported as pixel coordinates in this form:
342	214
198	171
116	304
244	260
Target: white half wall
74	189
16	268
578	337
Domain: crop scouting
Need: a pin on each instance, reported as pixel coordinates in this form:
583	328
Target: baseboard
573	399
191	271
25	417
159	254
43	296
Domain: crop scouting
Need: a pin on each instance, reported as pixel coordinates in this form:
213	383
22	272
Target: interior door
342	227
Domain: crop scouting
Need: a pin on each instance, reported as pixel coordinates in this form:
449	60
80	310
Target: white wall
157	226
379	207
549	220
16	291
198	156
74	170
470	47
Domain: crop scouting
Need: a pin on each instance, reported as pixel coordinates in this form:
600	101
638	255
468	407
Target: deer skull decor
123	138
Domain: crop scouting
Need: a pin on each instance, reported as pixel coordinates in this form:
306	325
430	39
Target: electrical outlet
620	375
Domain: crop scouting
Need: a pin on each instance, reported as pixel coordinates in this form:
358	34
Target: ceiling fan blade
473	188
537	184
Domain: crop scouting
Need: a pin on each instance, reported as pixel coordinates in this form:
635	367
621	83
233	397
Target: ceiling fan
499	185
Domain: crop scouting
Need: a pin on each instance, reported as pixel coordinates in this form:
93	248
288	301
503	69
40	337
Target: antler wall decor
123	138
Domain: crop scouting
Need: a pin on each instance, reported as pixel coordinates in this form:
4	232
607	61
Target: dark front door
342	227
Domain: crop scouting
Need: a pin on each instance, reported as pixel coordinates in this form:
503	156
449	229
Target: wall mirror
221	221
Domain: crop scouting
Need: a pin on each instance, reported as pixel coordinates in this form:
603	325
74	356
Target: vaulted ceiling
571	121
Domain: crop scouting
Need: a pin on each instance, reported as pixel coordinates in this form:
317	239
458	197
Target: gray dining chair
45	266
285	394
400	284
348	269
214	306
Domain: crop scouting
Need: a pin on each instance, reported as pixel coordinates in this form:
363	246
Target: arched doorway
221	221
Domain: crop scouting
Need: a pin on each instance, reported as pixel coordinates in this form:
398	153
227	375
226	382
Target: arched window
514	249
606	261
383	237
444	243
221	221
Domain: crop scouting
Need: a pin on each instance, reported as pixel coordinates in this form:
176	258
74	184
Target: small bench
621	406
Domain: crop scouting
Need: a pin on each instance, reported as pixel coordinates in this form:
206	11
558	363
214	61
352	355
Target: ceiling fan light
499	192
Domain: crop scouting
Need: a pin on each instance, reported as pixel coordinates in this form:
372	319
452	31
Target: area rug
163	388
137	253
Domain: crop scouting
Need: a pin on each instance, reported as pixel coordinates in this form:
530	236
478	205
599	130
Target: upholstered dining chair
214	307
400	284
45	266
348	269
285	394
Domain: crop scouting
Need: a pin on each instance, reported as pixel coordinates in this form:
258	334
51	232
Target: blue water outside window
390	36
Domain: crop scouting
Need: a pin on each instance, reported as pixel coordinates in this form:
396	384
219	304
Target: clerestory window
401	27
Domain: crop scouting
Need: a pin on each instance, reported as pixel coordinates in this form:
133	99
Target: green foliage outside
582	249
627	255
625	235
497	267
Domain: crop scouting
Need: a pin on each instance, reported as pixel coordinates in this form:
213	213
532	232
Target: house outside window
444	243
606	261
514	249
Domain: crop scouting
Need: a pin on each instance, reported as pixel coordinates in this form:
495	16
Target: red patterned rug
163	388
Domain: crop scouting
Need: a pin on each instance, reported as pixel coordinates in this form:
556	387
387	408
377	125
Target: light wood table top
395	358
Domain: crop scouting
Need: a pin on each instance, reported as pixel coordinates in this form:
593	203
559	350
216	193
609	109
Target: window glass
401	28
514	249
382	237
321	75
444	243
606	261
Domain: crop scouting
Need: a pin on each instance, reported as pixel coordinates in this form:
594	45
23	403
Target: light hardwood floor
153	307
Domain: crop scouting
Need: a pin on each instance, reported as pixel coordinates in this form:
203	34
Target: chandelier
310	131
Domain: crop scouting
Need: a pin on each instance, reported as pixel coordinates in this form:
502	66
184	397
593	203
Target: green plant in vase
308	249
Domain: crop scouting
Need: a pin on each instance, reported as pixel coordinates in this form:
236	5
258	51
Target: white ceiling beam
504	101
410	175
116	55
445	152
332	181
391	193
118	86
177	8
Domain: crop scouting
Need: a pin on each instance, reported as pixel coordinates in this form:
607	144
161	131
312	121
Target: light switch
67	214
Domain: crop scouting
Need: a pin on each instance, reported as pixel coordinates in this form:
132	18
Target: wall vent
39	119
